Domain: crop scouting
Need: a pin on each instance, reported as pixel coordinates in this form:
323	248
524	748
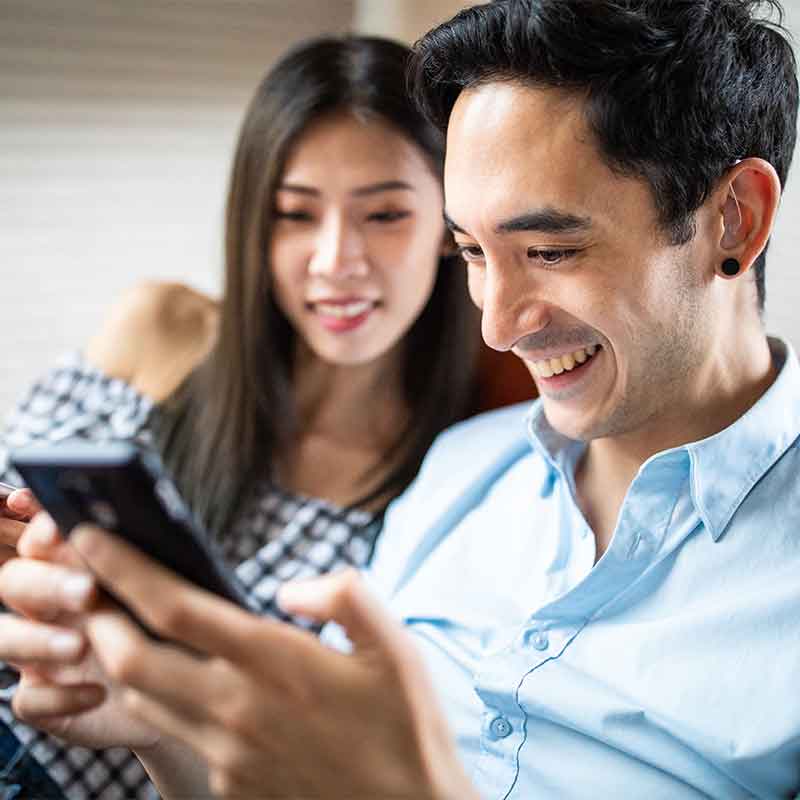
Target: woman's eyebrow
383	186
297	188
361	191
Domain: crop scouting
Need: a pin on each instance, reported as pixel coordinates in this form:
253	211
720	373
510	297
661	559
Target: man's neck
723	391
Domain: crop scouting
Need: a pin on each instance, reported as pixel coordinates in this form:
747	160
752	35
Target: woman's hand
15	513
271	710
62	689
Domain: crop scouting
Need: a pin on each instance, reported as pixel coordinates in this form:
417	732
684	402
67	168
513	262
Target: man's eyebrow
361	191
547	220
452	225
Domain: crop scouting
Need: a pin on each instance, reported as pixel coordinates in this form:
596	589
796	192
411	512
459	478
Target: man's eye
550	256
388	216
292	216
470	252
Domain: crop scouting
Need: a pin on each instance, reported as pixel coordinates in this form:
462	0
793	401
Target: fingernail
83	538
21	501
44	530
65	644
77	587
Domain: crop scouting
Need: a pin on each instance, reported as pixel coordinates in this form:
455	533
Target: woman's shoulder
155	336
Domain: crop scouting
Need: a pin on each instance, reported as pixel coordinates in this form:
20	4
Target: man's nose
339	250
512	307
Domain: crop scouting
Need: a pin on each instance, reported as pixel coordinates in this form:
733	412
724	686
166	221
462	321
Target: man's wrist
177	772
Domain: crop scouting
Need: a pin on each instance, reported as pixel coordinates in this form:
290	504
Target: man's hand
271	710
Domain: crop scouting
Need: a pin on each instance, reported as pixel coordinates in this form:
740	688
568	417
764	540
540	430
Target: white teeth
555	366
346	311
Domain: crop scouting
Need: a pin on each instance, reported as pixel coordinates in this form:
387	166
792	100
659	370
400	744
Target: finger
41	539
6	554
23	642
38	704
167	604
44	591
342	597
23	504
10	531
168	674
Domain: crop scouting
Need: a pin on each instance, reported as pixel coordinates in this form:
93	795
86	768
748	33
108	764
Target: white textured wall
405	20
783	263
117	122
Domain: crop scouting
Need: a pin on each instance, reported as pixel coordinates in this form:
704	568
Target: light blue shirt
670	668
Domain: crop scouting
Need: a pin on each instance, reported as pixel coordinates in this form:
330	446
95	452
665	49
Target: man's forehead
511	146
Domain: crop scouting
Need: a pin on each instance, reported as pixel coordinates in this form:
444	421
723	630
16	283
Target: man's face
568	264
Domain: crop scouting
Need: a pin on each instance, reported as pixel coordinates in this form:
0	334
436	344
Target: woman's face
357	235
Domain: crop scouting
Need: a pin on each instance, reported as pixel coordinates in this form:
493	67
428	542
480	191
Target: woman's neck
361	404
349	420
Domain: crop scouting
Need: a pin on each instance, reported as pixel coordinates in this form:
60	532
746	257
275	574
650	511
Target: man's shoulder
479	439
461	468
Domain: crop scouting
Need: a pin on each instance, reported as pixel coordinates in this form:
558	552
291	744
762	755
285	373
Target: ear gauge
730	267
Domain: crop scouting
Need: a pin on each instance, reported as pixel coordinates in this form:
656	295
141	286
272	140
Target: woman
293	410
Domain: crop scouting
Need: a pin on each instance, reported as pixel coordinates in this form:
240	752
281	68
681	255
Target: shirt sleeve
74	399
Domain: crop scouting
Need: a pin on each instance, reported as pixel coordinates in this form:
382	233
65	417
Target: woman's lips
343	315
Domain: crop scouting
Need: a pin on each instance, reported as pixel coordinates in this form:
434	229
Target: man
605	597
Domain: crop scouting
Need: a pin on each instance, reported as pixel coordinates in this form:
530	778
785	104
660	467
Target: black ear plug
731	267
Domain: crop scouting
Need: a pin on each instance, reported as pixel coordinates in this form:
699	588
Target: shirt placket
505	678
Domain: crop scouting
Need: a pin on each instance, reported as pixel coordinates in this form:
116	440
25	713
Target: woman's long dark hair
236	412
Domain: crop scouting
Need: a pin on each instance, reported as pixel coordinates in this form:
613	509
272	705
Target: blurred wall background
117	123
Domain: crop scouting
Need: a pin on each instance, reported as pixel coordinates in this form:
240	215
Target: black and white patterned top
276	537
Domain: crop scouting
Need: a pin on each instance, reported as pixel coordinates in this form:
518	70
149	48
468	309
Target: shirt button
540	640
500	728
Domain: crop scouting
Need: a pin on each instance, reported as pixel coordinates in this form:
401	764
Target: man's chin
569	422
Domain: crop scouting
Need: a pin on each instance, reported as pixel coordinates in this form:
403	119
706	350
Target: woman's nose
339	250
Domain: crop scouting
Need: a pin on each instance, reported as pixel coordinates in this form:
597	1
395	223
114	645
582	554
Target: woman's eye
388	216
470	252
293	216
550	256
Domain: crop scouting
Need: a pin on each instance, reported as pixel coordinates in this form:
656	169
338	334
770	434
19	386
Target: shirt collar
724	467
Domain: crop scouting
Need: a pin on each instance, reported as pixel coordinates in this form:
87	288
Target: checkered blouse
277	536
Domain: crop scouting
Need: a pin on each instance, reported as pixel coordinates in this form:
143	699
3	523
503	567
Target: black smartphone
122	488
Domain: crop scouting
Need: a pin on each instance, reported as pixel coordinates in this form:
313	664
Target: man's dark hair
676	91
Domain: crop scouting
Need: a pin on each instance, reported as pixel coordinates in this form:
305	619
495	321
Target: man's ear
748	198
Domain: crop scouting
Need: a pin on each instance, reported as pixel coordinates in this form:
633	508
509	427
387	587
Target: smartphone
122	488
